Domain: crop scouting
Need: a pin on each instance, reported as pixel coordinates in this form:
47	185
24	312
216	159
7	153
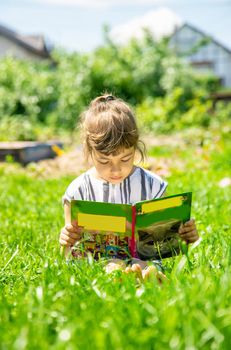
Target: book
153	224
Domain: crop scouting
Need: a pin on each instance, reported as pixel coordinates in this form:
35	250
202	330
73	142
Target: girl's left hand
188	231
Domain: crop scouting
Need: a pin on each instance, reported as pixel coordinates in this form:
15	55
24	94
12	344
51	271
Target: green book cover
153	223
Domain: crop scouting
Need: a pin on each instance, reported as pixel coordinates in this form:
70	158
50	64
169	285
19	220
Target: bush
27	89
175	112
145	73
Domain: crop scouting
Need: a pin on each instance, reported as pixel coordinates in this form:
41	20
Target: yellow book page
102	222
163	204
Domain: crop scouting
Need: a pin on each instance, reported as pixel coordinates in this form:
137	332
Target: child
111	139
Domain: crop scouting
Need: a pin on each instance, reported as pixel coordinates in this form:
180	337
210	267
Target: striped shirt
139	186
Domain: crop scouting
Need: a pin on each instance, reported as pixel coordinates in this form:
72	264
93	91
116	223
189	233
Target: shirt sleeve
74	191
158	187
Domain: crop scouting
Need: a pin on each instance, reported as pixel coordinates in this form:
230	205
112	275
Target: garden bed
28	151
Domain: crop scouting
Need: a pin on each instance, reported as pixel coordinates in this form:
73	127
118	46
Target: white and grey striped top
140	185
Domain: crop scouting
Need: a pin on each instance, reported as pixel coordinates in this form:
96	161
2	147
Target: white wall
8	47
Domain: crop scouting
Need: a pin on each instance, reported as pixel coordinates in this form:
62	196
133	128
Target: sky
77	24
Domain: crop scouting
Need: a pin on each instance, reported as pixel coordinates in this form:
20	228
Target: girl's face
116	168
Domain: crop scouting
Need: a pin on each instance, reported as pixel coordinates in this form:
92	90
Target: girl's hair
108	126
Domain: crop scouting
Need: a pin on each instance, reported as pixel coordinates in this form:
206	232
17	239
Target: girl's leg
115	264
149	271
139	267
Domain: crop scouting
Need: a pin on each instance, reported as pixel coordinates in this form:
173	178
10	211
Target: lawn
48	303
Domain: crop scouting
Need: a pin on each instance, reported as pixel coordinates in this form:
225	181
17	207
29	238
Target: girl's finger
63	242
71	228
74	235
75	224
187	229
189	236
128	225
70	237
189	223
70	241
192	239
188	233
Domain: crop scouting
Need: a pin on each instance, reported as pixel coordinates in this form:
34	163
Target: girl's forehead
120	154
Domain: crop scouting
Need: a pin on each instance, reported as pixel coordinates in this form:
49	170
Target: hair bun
103	99
109	98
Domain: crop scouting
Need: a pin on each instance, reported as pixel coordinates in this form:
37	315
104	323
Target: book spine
133	239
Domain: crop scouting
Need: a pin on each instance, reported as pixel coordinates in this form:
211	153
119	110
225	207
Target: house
184	38
23	46
203	52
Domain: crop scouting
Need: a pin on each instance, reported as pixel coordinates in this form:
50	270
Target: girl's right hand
70	234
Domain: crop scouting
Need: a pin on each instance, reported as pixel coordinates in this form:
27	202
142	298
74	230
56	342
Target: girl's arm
67	220
70	233
67	213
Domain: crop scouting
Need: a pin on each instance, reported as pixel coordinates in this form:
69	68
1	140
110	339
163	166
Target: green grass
47	303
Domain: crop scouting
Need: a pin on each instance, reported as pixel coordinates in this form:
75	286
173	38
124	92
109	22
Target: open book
153	224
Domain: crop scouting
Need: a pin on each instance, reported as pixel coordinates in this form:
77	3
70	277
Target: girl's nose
115	168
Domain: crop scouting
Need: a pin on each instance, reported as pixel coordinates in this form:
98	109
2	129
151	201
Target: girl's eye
125	160
103	162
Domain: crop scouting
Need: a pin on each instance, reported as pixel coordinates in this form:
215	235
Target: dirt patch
72	163
164	140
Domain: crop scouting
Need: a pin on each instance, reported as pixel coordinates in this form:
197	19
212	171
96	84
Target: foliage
174	111
49	303
26	89
21	128
144	73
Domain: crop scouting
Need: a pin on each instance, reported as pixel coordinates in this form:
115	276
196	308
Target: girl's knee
114	265
139	262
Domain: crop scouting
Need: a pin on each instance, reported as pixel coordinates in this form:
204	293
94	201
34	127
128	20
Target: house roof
160	23
203	34
33	43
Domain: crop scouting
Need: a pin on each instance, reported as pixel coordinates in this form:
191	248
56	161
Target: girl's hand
70	234
188	231
128	227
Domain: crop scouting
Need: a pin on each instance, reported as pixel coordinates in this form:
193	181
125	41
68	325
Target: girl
111	139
